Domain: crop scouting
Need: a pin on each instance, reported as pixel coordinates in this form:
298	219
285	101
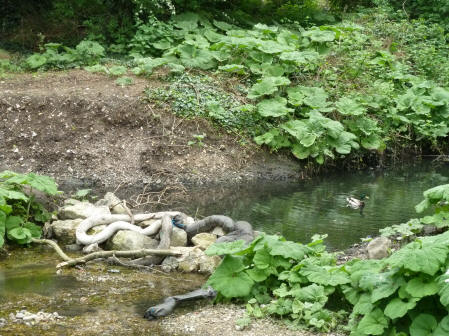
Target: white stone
77	209
65	230
178	237
125	240
204	240
378	248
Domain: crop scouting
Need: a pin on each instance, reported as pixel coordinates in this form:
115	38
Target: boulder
130	240
74	209
207	264
188	261
178	237
218	231
64	230
113	203
204	240
378	248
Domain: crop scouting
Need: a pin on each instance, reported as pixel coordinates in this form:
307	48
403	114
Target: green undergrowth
404	294
354	88
21	216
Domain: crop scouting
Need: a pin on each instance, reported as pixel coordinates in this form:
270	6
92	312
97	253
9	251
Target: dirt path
79	125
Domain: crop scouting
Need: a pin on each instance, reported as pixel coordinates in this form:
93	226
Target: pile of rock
28	318
73	212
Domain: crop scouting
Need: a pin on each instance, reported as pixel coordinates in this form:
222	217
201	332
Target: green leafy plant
198	140
19	212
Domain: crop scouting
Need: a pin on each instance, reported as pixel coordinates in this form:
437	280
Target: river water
318	205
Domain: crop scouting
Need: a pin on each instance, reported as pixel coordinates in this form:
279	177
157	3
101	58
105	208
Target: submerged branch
126	254
53	244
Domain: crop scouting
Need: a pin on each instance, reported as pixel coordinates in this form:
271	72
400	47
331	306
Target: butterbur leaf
186	21
443	327
275	107
373	323
296	128
317	35
234	68
272	47
308	140
43	183
397	308
348	106
35	61
300	151
267	138
419	287
288	249
295	96
229	278
423	324
12	194
264	87
373	141
13	222
420	257
300	57
20	235
258	275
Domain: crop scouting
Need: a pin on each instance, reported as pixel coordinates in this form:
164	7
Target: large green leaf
226	248
397	308
295	96
288	249
325	275
317	35
296	128
348	106
443	327
20	235
186	21
373	323
229	279
300	57
12	194
420	257
316	97
423	325
264	87
419	287
275	107
43	183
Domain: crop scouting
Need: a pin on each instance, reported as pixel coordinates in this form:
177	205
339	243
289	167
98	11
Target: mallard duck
356	203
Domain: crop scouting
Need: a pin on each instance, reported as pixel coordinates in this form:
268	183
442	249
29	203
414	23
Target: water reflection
297	211
38	279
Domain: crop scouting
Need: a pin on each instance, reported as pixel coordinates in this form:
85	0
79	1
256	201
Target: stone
73	247
178	237
378	248
77	209
96	229
113	203
91	248
65	230
188	261
218	231
207	264
204	240
125	240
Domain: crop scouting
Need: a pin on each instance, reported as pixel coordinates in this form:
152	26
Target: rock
91	248
208	264
204	240
96	229
188	261
191	262
178	237
64	230
77	209
73	247
218	231
378	248
429	230
112	202
129	240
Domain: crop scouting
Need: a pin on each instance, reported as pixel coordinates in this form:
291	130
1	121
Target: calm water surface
300	210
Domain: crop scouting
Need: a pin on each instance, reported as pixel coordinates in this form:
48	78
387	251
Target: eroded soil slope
79	125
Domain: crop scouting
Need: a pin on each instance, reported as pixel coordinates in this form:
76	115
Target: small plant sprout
198	140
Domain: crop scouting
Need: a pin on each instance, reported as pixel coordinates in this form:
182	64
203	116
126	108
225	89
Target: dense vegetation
404	294
374	81
323	80
21	216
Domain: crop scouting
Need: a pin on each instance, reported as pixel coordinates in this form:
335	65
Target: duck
355	203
